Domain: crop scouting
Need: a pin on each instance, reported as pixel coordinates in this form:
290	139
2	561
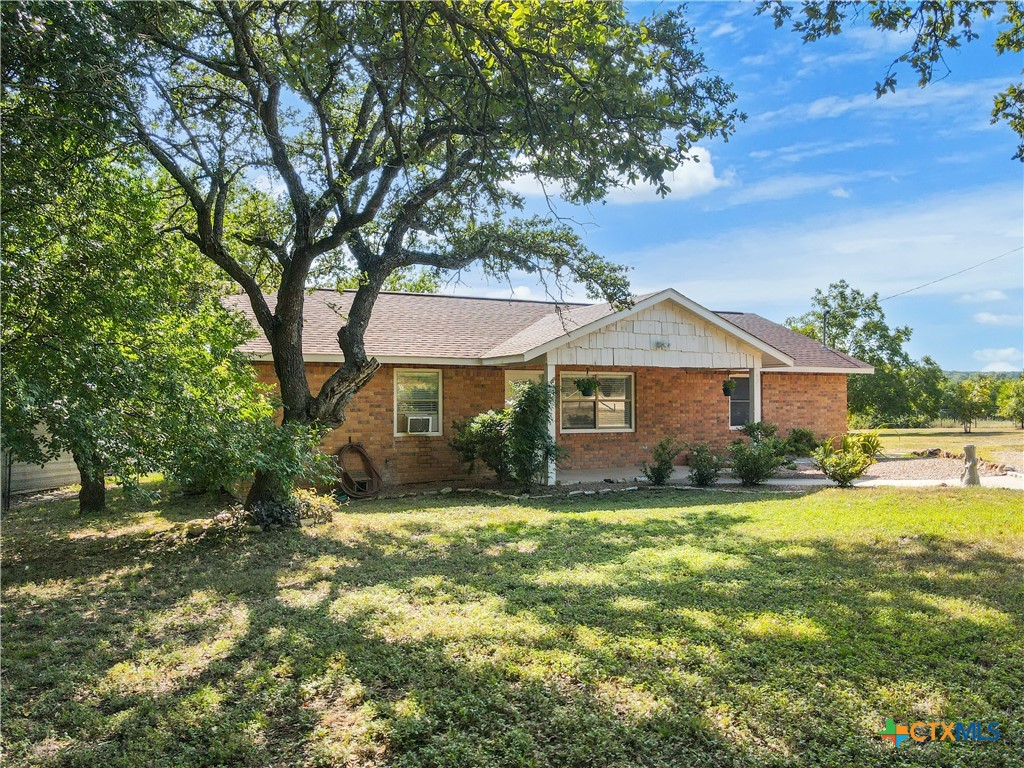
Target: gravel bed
916	469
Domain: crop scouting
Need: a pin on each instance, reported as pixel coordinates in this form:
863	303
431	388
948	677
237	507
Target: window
609	409
511	377
417	402
739	403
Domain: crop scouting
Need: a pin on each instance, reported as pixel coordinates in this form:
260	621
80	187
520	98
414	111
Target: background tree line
902	392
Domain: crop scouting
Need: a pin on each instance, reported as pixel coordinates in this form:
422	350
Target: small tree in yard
390	133
969	400
514	442
1011	401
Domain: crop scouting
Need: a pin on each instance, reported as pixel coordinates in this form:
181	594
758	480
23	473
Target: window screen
610	407
418	397
739	403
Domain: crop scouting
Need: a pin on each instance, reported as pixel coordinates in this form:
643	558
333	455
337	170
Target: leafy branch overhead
932	30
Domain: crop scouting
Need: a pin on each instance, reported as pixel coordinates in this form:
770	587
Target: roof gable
581	321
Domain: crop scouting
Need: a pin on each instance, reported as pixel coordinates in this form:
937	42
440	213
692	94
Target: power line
967	269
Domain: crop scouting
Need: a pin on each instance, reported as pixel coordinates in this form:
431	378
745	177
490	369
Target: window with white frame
739	402
417	402
511	377
609	408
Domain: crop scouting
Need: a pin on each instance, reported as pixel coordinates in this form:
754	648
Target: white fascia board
669	294
323	357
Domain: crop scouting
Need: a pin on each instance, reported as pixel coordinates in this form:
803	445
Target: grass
638	629
991	437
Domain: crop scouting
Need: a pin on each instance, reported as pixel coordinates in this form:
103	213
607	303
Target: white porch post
755	390
549	377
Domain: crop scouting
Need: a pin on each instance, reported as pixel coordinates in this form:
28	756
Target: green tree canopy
969	400
1010	400
902	391
114	342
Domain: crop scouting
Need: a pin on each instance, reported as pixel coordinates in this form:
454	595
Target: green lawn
996	440
638	629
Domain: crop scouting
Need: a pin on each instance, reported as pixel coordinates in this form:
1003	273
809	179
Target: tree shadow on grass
565	641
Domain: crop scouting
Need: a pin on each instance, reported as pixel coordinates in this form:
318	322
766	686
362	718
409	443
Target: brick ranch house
661	365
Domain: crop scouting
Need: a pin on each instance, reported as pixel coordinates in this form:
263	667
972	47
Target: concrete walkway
681	475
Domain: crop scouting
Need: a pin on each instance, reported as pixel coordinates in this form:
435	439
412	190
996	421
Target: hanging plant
587	386
728	386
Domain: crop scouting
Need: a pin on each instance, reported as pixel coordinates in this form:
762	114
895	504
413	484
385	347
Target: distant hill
958	376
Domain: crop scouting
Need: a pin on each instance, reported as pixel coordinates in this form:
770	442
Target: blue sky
824	181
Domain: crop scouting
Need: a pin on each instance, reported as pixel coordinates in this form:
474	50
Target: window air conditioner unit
419	424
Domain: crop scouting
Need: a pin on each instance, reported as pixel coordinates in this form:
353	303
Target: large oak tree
383	136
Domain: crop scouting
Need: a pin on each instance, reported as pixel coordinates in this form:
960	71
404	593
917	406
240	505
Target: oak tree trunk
264	490
93	496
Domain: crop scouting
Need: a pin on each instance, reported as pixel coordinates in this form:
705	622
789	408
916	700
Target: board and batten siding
663	336
26	478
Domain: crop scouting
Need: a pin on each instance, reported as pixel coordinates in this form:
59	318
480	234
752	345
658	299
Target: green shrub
759	430
310	505
664	455
513	442
867	443
530	445
800	442
756	461
236	449
483	438
844	466
705	466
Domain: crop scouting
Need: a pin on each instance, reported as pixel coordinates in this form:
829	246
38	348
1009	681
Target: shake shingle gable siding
674	352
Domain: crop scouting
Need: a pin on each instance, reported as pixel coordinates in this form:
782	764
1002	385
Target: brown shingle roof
421	325
409	324
806	352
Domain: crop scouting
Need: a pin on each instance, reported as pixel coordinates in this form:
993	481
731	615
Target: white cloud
691	179
1000	368
794	153
795	185
860	44
725	28
907	98
981	297
841	192
988	318
888	249
1008	355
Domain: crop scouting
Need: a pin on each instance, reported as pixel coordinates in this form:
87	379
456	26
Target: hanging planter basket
727	387
587	386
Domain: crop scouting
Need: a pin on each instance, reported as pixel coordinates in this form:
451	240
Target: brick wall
686	404
683	403
814	401
369	419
